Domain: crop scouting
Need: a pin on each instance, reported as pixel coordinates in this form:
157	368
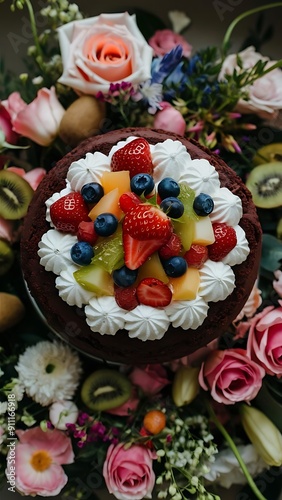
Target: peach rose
264	344
101	50
170	119
150	378
39	457
230	376
163	41
128	472
265	94
40	120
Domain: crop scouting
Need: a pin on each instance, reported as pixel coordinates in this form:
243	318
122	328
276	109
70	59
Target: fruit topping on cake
145	243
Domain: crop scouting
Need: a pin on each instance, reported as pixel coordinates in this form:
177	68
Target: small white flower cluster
61	12
186	458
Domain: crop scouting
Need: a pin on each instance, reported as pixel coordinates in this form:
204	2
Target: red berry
67	212
145	222
196	256
128	200
136	252
171	248
225	241
153	292
134	156
86	232
126	298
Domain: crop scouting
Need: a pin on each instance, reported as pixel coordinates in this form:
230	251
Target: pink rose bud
170	119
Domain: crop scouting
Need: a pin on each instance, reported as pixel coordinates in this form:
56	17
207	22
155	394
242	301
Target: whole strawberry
225	241
67	212
134	156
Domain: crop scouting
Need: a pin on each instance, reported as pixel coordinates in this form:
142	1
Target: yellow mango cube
153	268
186	286
109	203
113	180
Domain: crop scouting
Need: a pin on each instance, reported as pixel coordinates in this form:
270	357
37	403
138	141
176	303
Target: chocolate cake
69	322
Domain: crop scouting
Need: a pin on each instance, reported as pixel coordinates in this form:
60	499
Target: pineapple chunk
186	286
153	268
95	279
203	232
113	180
109	203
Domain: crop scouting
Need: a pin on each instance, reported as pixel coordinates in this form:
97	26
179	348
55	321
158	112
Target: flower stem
34	29
234	449
226	39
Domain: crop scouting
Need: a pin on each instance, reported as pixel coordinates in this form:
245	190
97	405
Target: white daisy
49	371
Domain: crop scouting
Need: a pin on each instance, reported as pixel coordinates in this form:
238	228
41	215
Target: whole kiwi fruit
265	184
105	389
15	195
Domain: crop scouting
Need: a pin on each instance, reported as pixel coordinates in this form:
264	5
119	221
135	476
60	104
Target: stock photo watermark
11	442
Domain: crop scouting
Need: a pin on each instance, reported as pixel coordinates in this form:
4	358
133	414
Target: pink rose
265	94
277	283
6	126
128	472
38	459
264	342
14	104
231	376
39	120
101	50
163	41
7	230
170	119
151	378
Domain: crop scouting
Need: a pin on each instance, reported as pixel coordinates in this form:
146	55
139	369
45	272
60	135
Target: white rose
101	50
265	94
63	412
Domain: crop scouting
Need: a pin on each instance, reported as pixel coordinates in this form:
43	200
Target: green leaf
271	257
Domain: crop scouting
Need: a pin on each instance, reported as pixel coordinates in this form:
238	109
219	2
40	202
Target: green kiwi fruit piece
105	389
15	195
265	184
269	153
6	257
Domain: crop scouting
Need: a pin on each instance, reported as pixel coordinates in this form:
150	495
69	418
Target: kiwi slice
105	389
6	257
15	195
269	153
265	184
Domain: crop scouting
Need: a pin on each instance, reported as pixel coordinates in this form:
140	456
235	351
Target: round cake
192	306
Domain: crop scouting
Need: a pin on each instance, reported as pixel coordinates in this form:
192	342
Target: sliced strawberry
134	156
225	241
136	252
86	232
153	292
129	200
196	256
171	248
126	298
67	212
146	222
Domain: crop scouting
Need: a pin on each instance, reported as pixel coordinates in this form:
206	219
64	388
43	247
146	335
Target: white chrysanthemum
49	371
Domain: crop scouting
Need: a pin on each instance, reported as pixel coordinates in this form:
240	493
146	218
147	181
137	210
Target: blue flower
162	67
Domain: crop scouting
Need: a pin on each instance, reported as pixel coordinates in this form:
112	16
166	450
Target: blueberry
142	183
168	187
175	266
203	204
82	253
92	192
173	207
106	224
124	276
